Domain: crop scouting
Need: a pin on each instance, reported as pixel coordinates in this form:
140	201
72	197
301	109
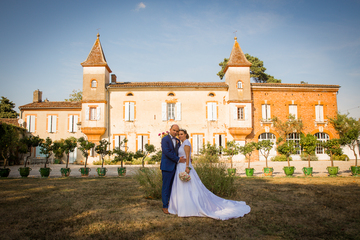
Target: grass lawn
115	208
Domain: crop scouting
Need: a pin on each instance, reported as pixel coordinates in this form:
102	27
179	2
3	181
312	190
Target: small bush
106	162
205	158
155	157
280	158
304	157
150	180
343	157
216	179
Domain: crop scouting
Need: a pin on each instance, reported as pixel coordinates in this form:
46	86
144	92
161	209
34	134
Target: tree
29	142
122	155
76	96
348	129
257	70
232	149
69	146
332	147
291	125
101	149
264	148
85	146
308	144
287	148
58	148
210	153
247	150
6	108
149	148
46	148
9	137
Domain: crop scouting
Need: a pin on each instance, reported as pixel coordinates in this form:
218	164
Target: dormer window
239	85
93	83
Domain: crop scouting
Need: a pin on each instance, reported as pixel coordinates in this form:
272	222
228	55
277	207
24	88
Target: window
265	109
129	94
73	120
296	138
129	111
38	153
141	141
239	84
118	139
52	119
73	155
92	152
319	113
197	143
171	94
220	141
293	110
171	111
240	113
93	83
211	95
92	113
267	136
212	111
323	137
30	123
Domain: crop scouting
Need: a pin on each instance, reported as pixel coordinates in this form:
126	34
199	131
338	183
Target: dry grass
114	208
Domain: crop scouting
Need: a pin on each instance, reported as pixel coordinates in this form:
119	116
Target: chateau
214	112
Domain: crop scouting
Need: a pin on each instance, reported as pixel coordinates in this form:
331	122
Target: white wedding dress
192	198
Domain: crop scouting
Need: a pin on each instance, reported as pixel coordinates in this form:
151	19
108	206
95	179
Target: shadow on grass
114	208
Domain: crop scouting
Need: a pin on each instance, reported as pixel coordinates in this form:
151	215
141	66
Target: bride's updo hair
186	134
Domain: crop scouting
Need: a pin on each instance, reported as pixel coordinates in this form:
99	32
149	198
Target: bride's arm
187	152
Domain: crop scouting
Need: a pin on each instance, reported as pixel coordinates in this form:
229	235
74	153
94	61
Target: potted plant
28	142
348	129
288	148
46	148
264	148
85	146
101	149
9	137
247	151
332	147
308	144
232	148
121	156
68	146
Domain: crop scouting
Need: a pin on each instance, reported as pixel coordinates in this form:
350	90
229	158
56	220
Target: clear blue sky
43	42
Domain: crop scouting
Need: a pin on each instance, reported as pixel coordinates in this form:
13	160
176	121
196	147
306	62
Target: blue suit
169	160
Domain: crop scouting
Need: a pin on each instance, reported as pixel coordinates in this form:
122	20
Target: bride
192	198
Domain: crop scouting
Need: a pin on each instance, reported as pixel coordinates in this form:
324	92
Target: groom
169	159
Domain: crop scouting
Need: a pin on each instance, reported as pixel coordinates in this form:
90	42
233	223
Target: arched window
171	94
129	94
296	138
266	136
211	94
323	137
239	84
93	83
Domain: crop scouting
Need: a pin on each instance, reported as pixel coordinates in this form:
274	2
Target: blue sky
44	41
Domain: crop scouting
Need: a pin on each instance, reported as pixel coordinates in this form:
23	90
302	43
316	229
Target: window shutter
87	113
140	140
223	144
53	125
263	111
217	140
268	113
317	111
195	143
28	123
200	142
293	110
32	124
163	111
49	124
98	112
321	113
246	112
121	138
117	141
145	141
75	123
132	111
209	111
127	108
71	123
214	105
178	111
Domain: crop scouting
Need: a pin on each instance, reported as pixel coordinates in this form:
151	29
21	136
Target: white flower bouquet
184	176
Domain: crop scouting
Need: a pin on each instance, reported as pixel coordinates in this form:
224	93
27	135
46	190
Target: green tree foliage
9	138
291	125
58	148
29	142
46	148
122	155
332	148
76	96
348	129
6	108
101	149
264	148
308	144
257	70
247	150
209	154
85	146
149	148
232	149
287	148
69	146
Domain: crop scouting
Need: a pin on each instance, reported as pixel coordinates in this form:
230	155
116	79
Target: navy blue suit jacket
169	157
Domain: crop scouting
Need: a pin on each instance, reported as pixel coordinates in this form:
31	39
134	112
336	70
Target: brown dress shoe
165	210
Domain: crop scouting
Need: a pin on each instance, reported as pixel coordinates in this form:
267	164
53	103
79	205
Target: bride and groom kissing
190	198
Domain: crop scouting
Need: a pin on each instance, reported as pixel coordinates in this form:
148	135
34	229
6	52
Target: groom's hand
182	160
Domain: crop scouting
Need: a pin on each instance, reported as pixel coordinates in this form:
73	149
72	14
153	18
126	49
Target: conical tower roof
96	56
237	57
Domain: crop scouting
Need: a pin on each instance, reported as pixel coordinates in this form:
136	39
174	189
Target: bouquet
184	176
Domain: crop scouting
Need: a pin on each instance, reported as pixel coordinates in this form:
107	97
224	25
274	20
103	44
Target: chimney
113	78
37	96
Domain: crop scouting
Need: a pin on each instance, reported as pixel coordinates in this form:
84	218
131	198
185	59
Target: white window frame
239	85
322	137
220	141
52	122
141	141
266	112
293	110
211	111
30	123
129	111
118	139
198	142
319	113
73	120
295	137
171	111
